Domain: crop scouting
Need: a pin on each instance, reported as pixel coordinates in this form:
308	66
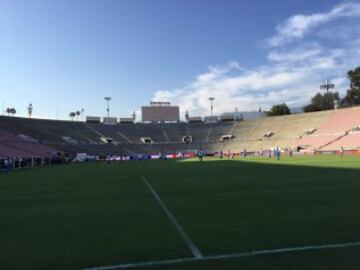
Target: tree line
328	100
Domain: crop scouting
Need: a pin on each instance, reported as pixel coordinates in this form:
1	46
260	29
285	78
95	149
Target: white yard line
143	264
227	256
194	249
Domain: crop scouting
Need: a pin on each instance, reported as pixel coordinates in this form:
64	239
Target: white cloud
287	78
298	25
246	90
298	54
340	32
291	74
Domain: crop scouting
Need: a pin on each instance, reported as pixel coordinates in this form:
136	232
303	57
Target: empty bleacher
12	146
313	131
48	131
348	142
284	130
334	131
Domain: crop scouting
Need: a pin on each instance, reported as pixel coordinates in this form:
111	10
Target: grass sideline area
89	215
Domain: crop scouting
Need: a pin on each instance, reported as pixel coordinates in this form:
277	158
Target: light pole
82	114
30	110
284	106
327	86
211	104
108	105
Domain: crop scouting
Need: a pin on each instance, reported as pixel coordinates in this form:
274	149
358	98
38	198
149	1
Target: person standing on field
6	165
200	155
278	153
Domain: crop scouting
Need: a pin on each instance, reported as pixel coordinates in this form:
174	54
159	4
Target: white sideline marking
194	249
227	256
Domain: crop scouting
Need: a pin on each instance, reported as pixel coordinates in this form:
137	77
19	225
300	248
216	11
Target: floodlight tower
108	99
327	86
187	115
30	110
211	104
82	114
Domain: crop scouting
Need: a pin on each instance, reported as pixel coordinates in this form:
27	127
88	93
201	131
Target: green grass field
90	215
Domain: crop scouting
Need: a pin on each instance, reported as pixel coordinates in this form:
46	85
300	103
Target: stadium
326	132
136	196
182	135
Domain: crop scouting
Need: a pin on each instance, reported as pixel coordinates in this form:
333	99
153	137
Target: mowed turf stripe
227	256
194	249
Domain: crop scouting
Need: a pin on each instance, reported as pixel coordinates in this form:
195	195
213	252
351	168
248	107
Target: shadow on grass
98	214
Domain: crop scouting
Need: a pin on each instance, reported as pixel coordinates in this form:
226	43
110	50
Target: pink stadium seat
331	134
340	121
12	146
35	149
351	141
7	136
316	141
8	151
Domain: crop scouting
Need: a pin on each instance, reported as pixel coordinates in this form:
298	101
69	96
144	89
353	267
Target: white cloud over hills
293	70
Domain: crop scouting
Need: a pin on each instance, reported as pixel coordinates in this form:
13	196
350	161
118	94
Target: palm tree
77	115
11	111
72	116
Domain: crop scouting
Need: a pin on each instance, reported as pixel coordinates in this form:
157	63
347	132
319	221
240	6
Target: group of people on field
229	154
276	153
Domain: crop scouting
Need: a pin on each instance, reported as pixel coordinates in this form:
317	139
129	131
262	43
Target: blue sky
65	55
